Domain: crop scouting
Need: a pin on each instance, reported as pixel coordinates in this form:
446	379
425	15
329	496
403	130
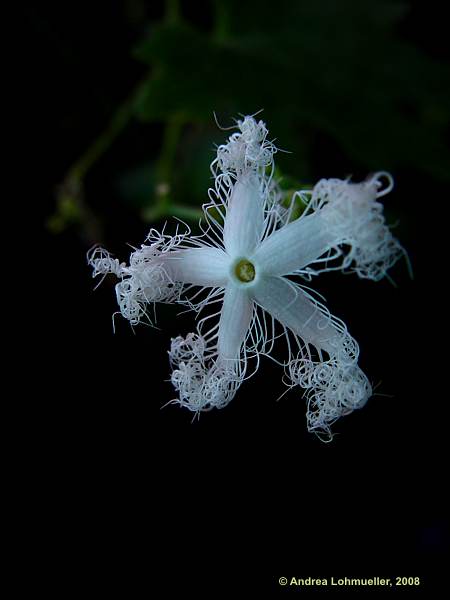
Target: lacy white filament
356	219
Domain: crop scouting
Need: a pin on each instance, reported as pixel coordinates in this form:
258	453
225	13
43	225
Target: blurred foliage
320	69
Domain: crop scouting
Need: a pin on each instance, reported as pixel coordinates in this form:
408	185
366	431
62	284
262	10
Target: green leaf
335	69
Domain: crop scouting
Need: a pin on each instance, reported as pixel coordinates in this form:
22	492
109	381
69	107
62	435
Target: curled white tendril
332	389
147	278
245	150
279	213
355	217
203	382
344	348
103	263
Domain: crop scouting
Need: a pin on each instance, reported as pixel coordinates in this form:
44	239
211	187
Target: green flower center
245	271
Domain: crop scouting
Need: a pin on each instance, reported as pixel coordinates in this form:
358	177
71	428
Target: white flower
243	267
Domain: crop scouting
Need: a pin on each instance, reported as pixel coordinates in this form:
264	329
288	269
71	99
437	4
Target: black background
122	492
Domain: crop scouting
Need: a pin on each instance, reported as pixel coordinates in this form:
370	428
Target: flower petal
354	217
204	266
202	382
333	390
294	246
235	318
244	221
290	305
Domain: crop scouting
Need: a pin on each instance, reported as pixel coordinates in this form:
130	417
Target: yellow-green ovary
245	271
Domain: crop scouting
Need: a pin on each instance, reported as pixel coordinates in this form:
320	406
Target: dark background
124	492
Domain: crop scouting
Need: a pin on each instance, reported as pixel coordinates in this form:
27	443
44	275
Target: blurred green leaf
137	186
337	68
190	77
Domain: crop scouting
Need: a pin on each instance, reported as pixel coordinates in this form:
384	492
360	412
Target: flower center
245	271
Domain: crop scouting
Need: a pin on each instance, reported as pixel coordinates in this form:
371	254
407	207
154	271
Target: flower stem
165	168
221	27
172	14
101	144
70	203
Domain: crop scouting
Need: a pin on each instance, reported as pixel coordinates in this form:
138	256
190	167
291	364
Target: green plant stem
221	27
102	143
172	13
165	168
171	137
70	204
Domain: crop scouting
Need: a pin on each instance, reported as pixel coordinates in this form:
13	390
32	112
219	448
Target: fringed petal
333	390
146	279
293	308
354	217
208	369
202	381
244	220
206	266
235	319
294	246
334	383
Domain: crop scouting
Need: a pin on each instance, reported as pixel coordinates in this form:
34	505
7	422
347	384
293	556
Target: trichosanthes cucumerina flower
247	265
